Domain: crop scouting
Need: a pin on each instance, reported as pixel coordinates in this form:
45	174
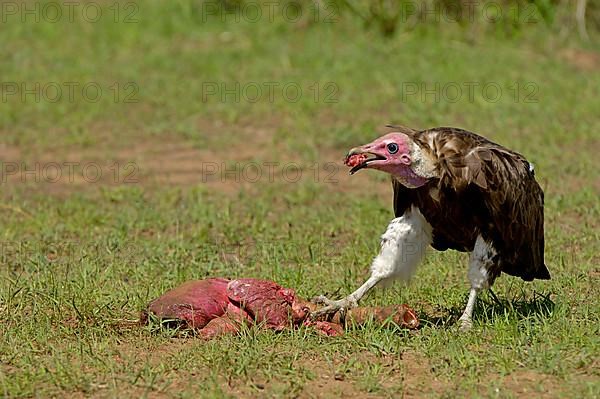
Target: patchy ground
179	198
248	164
178	164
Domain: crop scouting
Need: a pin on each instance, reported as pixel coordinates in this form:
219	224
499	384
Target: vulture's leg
402	247
481	277
465	320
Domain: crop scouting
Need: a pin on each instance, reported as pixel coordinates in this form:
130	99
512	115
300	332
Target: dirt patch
251	162
153	162
532	384
172	162
9	153
419	378
584	60
407	375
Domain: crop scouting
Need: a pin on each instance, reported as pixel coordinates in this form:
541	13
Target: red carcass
218	306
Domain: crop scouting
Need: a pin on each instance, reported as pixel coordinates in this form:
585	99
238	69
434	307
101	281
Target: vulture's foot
332	307
465	324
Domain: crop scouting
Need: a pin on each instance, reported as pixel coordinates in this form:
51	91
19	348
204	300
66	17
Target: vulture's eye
392	148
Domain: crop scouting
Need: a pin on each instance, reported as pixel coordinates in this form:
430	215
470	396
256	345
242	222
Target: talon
333	307
321	300
326	311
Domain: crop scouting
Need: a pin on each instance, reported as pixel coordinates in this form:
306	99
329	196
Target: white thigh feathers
402	247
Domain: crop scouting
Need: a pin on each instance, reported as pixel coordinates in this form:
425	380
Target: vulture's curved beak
358	158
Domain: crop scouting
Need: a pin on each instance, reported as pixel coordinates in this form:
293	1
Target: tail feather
543	273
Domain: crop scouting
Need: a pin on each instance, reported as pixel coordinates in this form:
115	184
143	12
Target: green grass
79	261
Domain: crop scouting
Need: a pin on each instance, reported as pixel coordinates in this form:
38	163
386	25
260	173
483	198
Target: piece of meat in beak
358	159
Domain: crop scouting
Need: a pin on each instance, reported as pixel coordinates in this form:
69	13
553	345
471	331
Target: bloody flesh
355	159
218	306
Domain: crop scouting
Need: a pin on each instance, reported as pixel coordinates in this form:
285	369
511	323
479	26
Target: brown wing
516	205
504	183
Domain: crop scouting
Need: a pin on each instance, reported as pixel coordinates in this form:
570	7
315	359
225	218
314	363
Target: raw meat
217	306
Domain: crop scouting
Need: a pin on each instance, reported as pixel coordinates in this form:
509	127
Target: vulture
453	189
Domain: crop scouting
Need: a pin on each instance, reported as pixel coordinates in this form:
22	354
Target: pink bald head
392	153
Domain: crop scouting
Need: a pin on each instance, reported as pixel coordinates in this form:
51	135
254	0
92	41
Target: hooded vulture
453	189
